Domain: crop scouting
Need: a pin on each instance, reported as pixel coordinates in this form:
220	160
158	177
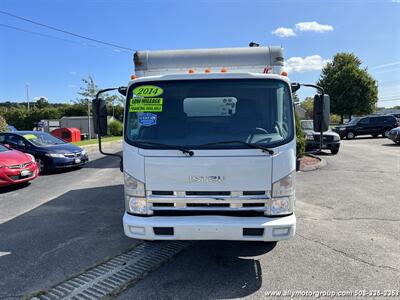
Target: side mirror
99	109
321	114
7	145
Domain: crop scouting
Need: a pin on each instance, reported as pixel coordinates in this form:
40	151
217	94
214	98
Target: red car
16	167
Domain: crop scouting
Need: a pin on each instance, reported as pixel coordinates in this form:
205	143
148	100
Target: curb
322	163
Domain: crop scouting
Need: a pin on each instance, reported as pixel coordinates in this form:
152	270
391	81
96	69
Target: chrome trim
231	203
205	208
202	199
24	165
233	196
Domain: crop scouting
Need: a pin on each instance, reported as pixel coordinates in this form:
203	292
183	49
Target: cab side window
3	139
389	120
364	121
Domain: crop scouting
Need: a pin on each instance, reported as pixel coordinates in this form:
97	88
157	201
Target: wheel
375	135
350	135
40	164
335	150
385	134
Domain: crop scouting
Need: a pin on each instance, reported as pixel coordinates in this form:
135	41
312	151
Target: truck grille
325	138
72	155
208	202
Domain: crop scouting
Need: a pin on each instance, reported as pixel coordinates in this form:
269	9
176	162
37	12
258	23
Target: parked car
49	151
330	139
394	135
11	128
369	125
16	167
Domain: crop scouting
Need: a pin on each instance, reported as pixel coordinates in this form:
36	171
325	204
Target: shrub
300	143
115	128
3	125
335	119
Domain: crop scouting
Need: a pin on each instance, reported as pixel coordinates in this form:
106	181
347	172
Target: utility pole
27	94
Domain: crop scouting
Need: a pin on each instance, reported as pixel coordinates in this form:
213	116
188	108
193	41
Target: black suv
369	125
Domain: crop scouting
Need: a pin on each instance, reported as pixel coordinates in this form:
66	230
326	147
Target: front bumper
210	227
13	176
61	163
325	145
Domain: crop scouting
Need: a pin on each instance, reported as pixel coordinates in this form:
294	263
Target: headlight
282	201
284	187
282	206
135	196
309	137
133	187
342	129
31	157
83	152
57	155
336	138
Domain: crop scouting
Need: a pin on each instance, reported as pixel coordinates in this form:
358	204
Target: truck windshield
202	114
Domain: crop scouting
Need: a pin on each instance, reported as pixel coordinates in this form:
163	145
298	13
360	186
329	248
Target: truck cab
209	150
195	164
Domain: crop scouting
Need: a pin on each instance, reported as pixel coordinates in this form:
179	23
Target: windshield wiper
251	145
184	151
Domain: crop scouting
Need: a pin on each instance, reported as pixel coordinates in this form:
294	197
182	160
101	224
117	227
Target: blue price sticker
147	119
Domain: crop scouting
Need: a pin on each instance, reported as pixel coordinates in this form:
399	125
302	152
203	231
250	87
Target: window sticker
146	105
148	91
30	136
145	99
147	119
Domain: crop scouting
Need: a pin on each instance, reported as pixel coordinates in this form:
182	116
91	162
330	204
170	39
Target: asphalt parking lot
348	234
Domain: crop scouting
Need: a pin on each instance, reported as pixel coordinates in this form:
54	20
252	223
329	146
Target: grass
94	141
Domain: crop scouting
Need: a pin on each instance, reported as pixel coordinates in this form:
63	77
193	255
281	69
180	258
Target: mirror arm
99	135
317	87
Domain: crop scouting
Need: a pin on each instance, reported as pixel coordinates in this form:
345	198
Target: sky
52	64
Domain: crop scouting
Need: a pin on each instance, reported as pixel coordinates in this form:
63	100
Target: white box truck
209	150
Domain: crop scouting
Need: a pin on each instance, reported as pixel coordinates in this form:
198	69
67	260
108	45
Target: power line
58	38
38	33
67	32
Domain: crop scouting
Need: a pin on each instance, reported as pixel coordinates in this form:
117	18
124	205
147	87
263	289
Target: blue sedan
50	152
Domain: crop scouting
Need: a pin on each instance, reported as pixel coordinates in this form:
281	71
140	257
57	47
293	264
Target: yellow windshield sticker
146	105
148	91
30	136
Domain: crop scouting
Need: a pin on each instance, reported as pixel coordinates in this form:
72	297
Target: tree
42	102
300	143
115	128
352	90
89	91
3	125
308	105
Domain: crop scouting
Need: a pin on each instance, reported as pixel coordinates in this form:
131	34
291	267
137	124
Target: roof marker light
284	73
133	77
207	70
191	71
224	70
